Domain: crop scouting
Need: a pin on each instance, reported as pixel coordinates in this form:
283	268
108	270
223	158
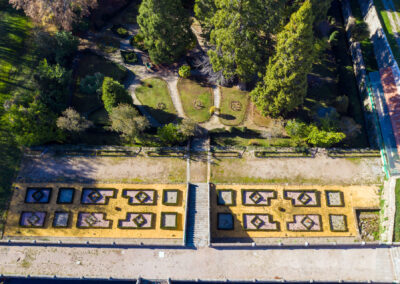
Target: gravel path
351	264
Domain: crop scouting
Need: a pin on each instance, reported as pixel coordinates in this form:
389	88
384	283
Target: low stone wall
361	75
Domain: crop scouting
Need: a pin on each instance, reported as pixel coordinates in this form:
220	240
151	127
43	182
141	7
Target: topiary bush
184	71
114	94
129	57
120	31
138	41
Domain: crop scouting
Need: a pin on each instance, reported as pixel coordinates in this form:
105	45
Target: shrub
170	134
72	121
184	71
253	142
334	38
120	31
114	94
360	31
322	138
138	41
91	84
129	57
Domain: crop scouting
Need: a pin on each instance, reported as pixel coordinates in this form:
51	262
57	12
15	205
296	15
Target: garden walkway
302	264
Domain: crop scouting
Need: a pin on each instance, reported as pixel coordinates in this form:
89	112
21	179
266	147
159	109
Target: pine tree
166	28
204	11
285	82
241	35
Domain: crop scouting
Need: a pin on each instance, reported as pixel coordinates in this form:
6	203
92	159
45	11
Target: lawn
367	47
16	63
234	105
383	16
154	94
397	217
197	99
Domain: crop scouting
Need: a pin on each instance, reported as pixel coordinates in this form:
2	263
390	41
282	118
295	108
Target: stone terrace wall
361	75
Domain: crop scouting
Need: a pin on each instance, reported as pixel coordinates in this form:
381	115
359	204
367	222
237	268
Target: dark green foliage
342	104
169	134
53	83
165	25
129	57
32	125
204	11
184	71
91	84
138	41
120	31
114	94
323	137
285	83
241	36
360	31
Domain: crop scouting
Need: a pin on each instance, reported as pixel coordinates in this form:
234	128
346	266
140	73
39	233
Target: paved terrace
368	264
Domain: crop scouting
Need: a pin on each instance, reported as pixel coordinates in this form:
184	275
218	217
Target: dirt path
351	264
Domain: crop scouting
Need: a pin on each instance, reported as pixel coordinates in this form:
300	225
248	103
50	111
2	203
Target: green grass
397	217
16	63
229	96
192	92
154	94
383	16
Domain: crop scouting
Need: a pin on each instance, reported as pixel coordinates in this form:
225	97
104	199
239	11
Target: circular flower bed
161	106
236	106
198	104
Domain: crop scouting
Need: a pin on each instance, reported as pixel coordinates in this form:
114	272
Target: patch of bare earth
139	169
321	170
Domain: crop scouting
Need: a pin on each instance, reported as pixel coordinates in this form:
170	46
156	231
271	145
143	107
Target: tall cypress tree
241	35
165	25
285	83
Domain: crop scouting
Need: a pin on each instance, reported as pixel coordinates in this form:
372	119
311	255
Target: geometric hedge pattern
74	211
240	212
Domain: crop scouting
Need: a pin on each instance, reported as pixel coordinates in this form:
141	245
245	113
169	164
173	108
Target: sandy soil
319	170
103	169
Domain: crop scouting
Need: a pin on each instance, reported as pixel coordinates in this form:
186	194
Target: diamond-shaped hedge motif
256	197
139	220
91	219
142	197
94	196
308	222
33	219
38	195
304	198
257	222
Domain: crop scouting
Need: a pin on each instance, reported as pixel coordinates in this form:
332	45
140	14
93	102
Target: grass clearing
17	61
384	18
397	217
197	98
154	94
234	105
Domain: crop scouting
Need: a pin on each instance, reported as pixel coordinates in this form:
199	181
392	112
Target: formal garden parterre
111	211
258	212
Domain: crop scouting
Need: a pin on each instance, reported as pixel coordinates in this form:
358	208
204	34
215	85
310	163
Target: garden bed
368	224
354	153
284	153
226	154
166	154
396	236
197	99
155	96
234	104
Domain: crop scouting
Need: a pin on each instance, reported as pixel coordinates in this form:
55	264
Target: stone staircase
197	230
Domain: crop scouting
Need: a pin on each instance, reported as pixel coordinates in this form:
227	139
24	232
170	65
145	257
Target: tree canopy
285	84
165	25
114	94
